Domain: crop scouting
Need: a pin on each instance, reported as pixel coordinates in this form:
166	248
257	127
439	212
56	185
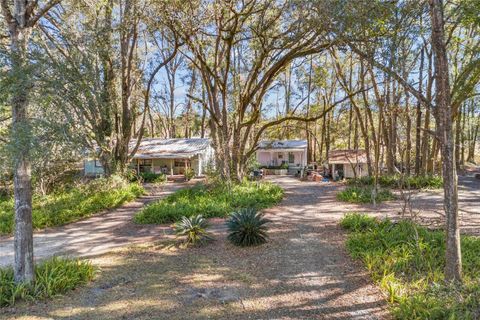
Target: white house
291	153
169	156
347	163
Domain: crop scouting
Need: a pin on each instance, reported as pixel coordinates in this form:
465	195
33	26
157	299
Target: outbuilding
347	163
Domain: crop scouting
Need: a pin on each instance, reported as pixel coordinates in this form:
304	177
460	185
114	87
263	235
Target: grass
70	205
53	277
217	200
363	194
407	261
395	181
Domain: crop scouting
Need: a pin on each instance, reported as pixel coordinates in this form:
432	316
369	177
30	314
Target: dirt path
95	235
303	272
428	206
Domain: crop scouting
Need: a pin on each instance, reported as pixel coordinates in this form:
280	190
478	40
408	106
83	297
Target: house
291	154
347	163
169	156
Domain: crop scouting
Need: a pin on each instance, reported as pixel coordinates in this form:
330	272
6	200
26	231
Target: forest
398	79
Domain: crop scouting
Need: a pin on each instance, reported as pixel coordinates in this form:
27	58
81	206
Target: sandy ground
427	206
98	234
303	272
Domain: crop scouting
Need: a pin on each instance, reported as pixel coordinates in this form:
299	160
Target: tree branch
42	11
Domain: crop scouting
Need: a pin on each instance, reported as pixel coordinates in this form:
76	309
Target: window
145	162
280	156
97	164
181	164
291	157
145	165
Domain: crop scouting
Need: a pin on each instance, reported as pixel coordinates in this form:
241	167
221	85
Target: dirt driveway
303	272
427	206
98	234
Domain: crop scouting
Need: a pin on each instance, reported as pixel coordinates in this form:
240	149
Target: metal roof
347	156
169	148
282	144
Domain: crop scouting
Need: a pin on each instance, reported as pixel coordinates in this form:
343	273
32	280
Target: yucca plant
247	228
193	229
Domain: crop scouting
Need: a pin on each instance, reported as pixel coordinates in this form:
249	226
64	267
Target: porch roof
347	156
155	148
283	145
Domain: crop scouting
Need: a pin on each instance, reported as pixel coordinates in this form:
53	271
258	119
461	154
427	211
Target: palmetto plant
247	228
193	229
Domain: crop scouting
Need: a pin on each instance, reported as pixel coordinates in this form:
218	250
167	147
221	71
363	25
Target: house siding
91	169
197	162
276	158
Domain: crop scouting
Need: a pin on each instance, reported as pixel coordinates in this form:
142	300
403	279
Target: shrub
131	175
150	177
247	228
216	200
52	277
279	167
193	229
396	181
70	205
407	261
189	174
358	222
363	194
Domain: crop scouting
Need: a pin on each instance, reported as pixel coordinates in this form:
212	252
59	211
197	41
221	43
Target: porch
168	166
292	161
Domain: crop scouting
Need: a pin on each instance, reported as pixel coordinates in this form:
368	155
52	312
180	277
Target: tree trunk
409	140
444	115
23	236
418	124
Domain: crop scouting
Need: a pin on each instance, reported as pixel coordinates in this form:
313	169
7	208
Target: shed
347	163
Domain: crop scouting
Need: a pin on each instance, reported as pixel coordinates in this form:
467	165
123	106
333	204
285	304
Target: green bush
150	177
358	222
194	229
407	261
70	205
363	194
396	181
216	200
279	167
247	228
189	174
52	277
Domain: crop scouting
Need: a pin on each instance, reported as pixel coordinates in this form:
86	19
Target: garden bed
407	261
216	200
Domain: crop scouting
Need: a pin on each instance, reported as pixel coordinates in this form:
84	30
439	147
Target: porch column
186	166
271	158
171	166
138	167
153	168
199	165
